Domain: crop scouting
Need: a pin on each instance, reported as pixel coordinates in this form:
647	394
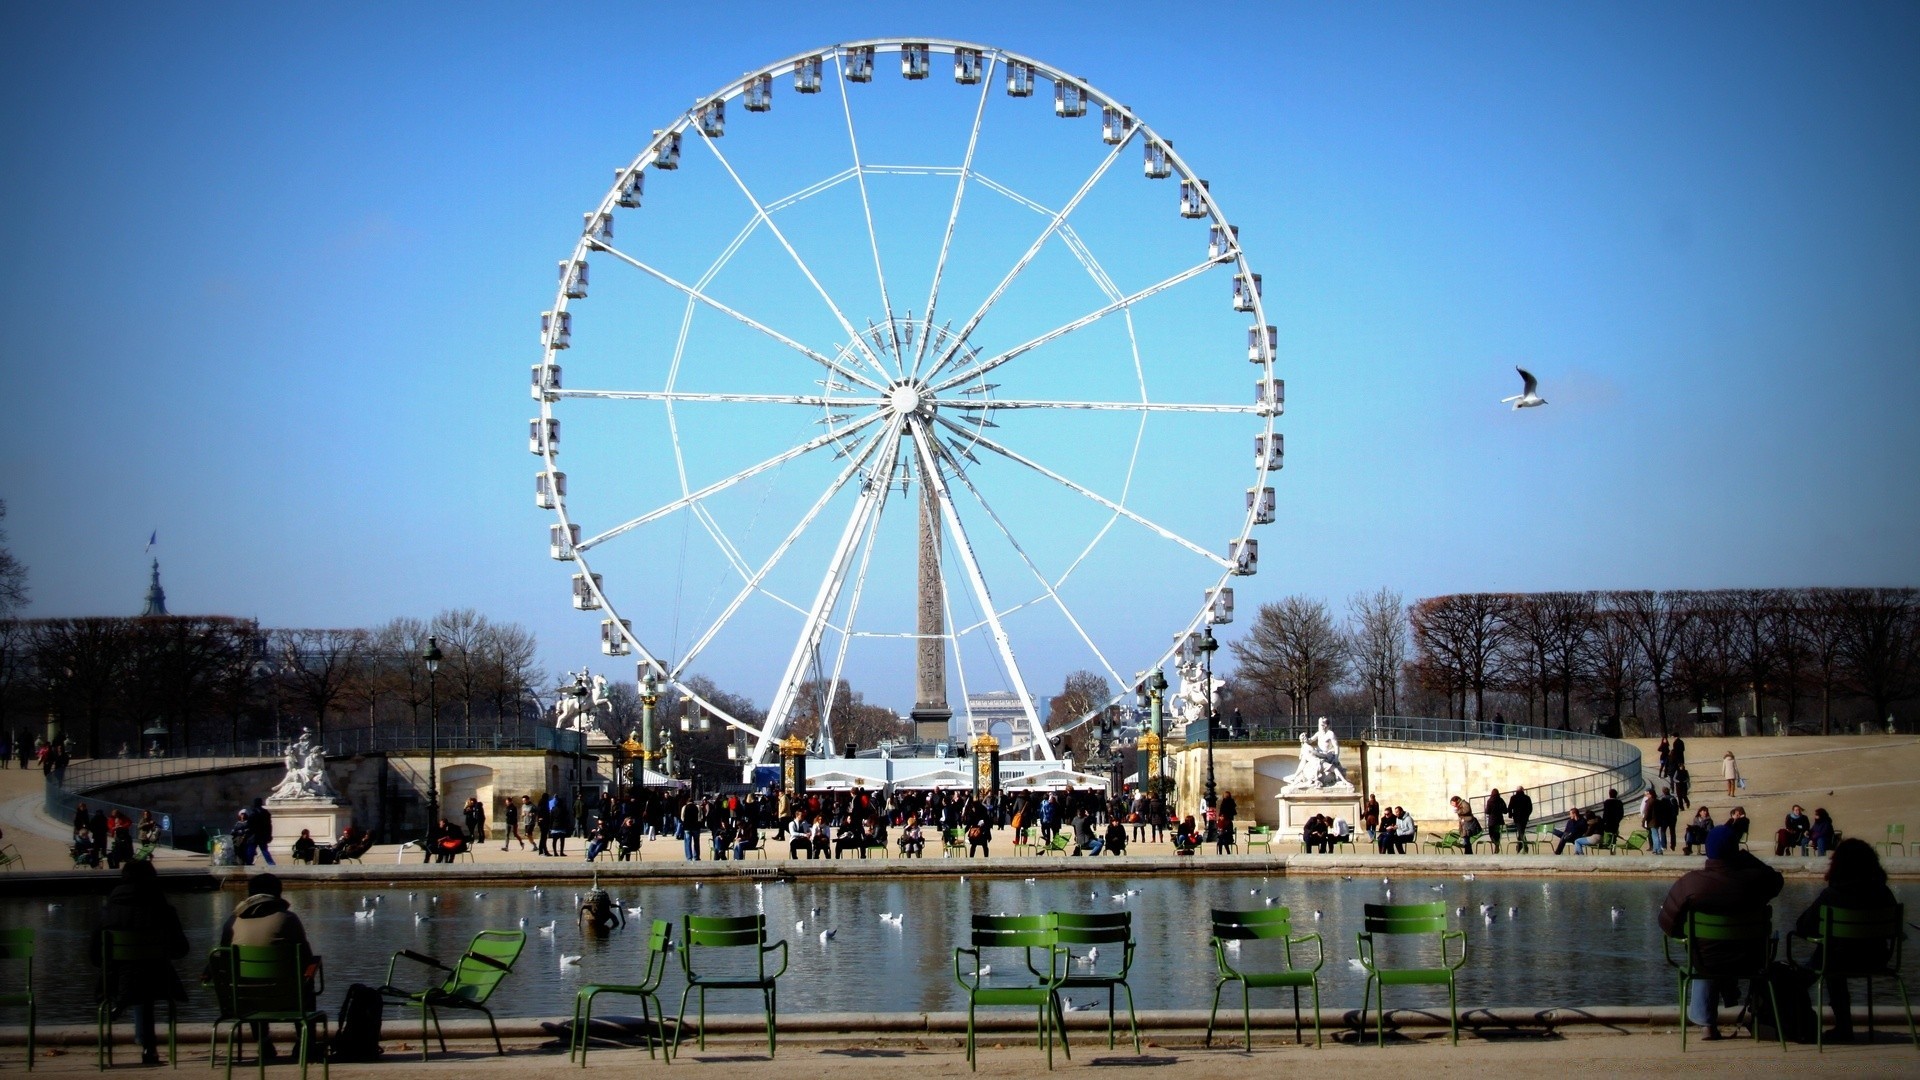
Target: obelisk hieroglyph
930	712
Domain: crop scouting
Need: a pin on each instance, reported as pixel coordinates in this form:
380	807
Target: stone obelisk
930	712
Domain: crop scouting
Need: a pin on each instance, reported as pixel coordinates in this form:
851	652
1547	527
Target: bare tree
1294	648
1461	636
1611	670
174	665
1658	621
1702	660
1877	642
1377	644
463	634
508	650
1825	631
1756	639
318	666
1083	692
79	663
13	576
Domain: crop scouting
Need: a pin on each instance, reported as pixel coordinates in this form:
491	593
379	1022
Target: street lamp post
432	657
1207	646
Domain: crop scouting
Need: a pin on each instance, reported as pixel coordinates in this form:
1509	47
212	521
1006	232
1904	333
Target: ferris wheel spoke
866	206
721	485
953	215
754	578
697	294
760	212
678	396
1014	542
1122	304
1033	249
990	404
853	611
974	438
780	712
930	474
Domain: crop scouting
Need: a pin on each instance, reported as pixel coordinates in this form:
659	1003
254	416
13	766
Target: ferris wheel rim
1234	255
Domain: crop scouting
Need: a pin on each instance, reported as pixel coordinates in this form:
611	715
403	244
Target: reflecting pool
1548	942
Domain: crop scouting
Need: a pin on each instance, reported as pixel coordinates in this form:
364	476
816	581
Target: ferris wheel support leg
922	438
823	602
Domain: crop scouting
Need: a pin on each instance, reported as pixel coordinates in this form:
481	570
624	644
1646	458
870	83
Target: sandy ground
1865	782
1586	1052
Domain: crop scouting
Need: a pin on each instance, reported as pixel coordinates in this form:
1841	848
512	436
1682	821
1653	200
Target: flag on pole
153	539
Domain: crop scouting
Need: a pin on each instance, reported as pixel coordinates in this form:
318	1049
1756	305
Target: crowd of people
110	838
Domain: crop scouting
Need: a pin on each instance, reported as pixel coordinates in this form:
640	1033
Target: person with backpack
1732	882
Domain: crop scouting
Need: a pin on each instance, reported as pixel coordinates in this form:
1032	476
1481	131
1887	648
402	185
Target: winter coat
1520	807
1855	955
1729	886
262	920
141	909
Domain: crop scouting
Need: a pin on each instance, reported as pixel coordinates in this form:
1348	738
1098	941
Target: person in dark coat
137	906
260	822
1520	809
1732	882
1855	880
1612	811
1496	810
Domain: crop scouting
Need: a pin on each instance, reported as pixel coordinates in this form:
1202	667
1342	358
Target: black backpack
358	1038
1790	988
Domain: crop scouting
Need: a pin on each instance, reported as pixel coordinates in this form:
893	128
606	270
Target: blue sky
271	282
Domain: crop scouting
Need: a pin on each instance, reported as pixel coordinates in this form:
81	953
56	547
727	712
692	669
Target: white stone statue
581	706
1319	768
306	778
1190	704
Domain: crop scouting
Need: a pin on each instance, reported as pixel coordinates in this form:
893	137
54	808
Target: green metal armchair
1408	920
1230	928
709	932
468	984
1724	947
647	990
1859	943
1027	933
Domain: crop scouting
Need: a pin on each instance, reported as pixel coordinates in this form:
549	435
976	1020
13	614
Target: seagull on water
1527	398
363	915
565	960
548	929
827	935
1068	1005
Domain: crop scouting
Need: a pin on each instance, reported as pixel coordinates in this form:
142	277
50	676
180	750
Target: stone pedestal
322	817
1296	807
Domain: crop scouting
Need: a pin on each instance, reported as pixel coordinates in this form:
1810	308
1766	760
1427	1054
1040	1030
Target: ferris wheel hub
910	397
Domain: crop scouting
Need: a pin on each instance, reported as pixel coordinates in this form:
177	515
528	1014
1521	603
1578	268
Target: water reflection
1559	946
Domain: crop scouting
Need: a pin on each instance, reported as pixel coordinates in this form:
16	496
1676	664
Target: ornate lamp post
432	657
649	697
1153	760
1207	645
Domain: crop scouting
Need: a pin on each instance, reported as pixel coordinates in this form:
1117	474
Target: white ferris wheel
894	378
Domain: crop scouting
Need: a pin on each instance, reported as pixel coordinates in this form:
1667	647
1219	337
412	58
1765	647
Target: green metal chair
1442	843
1263	924
1636	842
1863	928
1407	920
11	859
647	989
1027	933
119	947
471	980
1722	935
16	947
269	985
1099	931
729	932
1896	838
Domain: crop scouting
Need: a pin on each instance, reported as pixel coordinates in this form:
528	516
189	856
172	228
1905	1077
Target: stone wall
386	794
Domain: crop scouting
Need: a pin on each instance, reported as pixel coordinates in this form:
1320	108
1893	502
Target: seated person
1186	837
1822	833
1574	829
847	837
629	837
1404	828
1083	839
912	840
799	836
304	848
354	842
873	834
1697	830
1341	833
746	837
1389	835
83	851
1737	821
1313	837
1116	840
1794	833
601	839
449	840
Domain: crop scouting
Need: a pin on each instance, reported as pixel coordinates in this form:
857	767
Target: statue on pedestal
581	705
1319	768
306	778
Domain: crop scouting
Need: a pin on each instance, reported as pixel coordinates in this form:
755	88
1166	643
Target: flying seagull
1526	398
